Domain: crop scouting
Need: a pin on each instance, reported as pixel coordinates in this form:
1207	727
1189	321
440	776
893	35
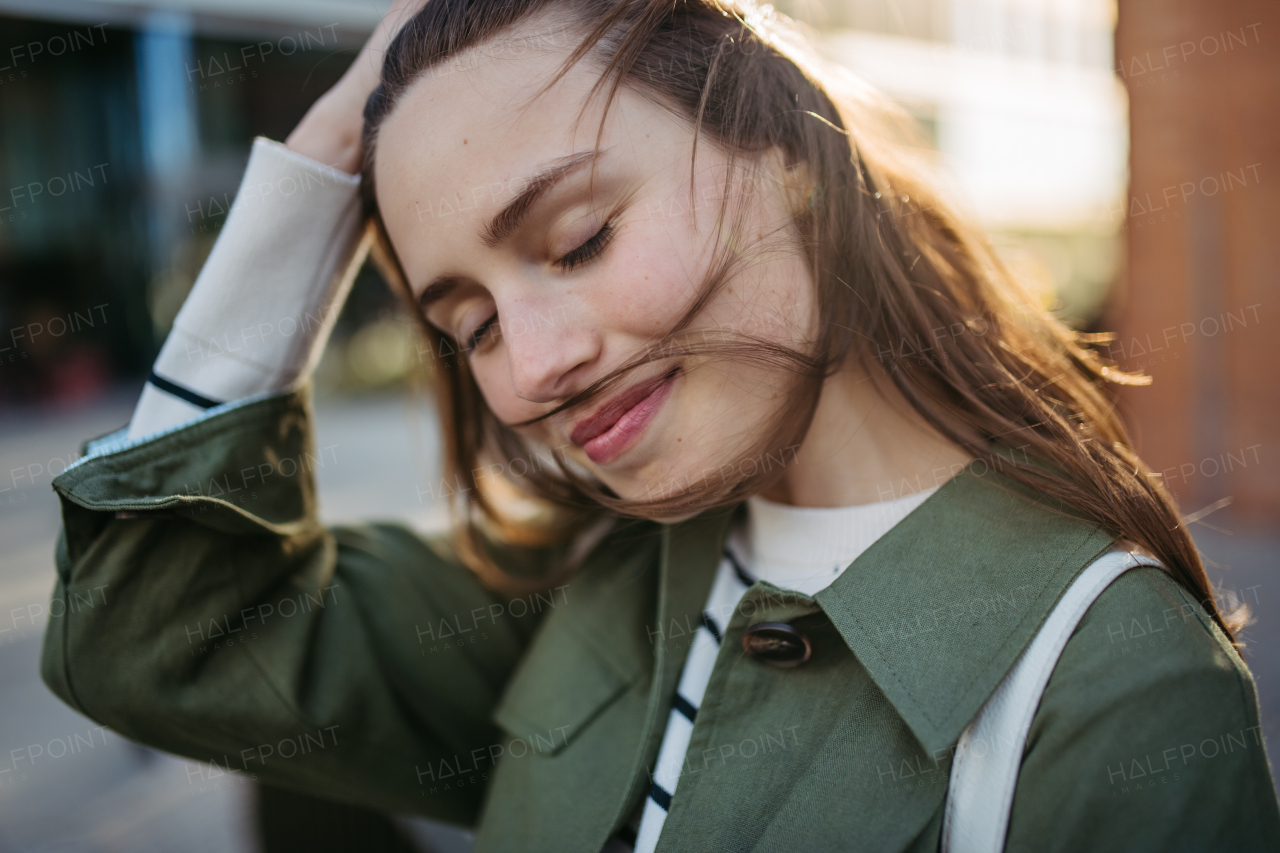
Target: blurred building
162	97
1200	218
1019	98
124	130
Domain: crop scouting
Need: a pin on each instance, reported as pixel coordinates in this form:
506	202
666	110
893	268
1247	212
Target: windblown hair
904	284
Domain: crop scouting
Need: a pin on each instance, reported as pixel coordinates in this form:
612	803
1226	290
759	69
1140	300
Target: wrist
327	135
331	131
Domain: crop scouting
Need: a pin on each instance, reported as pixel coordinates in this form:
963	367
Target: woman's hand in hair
330	131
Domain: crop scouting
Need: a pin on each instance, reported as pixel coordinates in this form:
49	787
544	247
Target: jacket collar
940	608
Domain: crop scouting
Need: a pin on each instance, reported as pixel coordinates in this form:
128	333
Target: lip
619	422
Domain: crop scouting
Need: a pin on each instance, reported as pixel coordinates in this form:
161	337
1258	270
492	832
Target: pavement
69	785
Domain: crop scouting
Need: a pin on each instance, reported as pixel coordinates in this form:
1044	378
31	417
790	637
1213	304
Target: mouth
620	421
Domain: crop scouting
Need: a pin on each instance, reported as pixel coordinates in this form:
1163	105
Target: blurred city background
1121	154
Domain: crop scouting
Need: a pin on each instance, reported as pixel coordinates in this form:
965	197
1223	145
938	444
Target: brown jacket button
777	644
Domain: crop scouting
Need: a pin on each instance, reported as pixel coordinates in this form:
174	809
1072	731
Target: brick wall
1199	309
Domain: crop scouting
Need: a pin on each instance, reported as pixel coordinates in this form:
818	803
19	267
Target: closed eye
589	250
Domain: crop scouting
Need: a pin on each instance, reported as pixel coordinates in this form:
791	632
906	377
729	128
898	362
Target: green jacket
202	609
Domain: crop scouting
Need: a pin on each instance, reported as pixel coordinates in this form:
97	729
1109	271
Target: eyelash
480	332
588	250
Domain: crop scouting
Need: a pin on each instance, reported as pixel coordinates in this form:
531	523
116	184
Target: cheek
650	279
770	292
787	308
647	286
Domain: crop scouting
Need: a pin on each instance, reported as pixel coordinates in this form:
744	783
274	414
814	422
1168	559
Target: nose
549	351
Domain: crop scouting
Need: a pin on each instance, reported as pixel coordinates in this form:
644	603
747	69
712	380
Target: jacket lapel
690	556
939	609
597	682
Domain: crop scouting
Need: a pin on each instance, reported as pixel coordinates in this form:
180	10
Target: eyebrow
509	218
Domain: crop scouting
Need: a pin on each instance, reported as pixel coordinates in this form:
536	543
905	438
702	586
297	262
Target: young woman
773	491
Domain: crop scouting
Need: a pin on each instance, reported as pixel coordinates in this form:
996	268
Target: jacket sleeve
1148	736
202	609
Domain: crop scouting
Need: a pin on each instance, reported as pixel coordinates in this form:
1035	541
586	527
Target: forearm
265	301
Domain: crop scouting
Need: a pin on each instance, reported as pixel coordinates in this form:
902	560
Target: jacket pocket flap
563	684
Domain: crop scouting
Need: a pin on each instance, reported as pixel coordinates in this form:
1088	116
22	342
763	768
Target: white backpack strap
984	771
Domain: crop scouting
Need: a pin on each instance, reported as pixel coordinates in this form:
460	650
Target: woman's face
551	260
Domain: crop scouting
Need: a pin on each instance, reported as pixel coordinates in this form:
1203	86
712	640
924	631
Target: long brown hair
904	284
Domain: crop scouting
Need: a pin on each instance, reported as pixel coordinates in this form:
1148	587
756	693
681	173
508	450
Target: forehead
482	98
466	135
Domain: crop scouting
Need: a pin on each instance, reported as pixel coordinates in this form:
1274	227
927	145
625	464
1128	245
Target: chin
644	493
